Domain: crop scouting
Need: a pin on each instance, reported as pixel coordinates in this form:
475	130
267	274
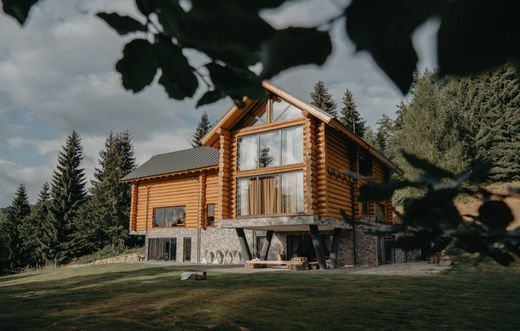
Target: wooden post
318	246
246	252
335	248
267	244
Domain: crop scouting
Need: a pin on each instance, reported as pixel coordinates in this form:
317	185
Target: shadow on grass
153	297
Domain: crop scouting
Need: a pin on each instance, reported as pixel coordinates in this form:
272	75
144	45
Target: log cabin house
269	184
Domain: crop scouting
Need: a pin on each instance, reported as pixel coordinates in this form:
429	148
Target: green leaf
385	28
210	97
495	214
18	9
138	65
122	24
379	192
487	28
429	168
177	76
292	47
236	82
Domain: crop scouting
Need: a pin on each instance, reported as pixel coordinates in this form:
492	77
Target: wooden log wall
321	152
225	168
183	191
133	209
202	201
310	172
381	174
338	183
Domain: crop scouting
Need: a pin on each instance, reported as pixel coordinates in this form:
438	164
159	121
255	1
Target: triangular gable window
282	110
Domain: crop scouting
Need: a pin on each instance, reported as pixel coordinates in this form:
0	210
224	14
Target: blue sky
56	75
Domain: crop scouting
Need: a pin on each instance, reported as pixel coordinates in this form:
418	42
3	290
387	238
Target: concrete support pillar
246	252
335	248
266	245
318	246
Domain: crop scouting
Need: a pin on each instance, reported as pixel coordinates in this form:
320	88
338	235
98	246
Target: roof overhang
170	174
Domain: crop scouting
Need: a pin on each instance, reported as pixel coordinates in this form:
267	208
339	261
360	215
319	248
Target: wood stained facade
328	150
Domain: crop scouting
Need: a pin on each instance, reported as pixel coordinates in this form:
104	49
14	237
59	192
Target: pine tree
322	99
202	129
485	107
428	130
103	220
18	211
34	227
370	138
67	195
350	117
384	130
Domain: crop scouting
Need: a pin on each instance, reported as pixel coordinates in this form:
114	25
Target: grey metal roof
188	159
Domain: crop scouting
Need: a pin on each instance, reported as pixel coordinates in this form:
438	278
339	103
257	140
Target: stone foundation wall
216	245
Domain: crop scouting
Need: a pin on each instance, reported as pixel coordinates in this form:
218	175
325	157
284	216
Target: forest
454	123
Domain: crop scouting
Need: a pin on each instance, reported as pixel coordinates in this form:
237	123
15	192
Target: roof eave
168	174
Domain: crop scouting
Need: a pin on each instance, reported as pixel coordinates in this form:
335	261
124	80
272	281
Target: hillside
470	205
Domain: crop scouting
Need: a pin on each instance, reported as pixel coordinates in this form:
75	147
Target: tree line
455	123
67	220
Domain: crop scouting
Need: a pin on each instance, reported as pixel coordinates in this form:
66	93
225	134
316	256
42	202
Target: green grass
123	296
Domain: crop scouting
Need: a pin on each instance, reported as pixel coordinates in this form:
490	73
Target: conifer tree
370	138
103	220
18	211
202	129
428	130
4	253
34	227
384	130
322	99
485	110
67	195
349	115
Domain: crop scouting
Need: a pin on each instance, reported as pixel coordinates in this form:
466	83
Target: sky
57	75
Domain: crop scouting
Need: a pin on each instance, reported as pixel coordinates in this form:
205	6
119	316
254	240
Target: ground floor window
162	249
187	249
271	194
169	216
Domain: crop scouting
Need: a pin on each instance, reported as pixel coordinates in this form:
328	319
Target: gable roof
235	113
185	160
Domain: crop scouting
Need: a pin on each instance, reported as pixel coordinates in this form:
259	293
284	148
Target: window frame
280	147
167	207
207	213
257	177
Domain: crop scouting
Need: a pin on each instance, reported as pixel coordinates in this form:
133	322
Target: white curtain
292	192
292	145
247	152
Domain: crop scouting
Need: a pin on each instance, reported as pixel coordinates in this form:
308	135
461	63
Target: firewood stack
298	263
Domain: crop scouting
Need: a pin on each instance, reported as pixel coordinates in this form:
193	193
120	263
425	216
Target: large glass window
269	149
281	111
248	152
271	194
169	216
292	145
272	148
162	249
292	192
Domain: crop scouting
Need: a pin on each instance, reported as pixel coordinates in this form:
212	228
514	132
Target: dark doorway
162	249
386	249
301	245
187	249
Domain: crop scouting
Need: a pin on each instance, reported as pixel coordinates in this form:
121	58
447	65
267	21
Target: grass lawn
122	296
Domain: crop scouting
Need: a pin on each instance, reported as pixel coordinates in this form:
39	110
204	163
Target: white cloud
57	75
